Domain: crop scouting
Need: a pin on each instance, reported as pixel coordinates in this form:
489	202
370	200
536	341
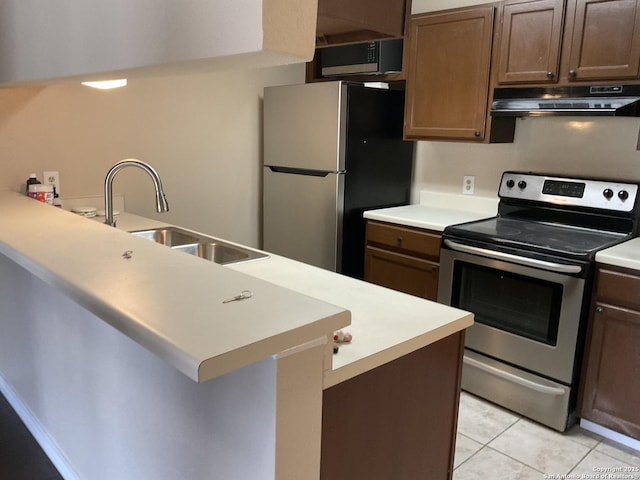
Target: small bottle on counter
32	180
57	201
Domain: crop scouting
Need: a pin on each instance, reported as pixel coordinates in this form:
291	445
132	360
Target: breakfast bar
121	357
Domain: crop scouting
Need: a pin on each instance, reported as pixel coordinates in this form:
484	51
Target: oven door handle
529	262
525	382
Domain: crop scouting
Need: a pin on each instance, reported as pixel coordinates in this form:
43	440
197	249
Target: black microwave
369	58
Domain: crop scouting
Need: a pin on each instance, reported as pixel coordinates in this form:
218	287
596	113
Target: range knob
623	195
510	183
608	193
522	184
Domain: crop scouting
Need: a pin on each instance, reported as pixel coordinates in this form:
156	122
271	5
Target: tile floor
494	443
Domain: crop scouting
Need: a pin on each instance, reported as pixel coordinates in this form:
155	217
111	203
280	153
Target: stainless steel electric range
527	275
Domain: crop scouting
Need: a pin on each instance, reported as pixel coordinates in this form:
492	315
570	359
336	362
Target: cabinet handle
476	133
599	309
550	75
572	73
399	239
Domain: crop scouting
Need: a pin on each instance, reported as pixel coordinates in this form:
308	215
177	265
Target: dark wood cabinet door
397	421
530	39
404	273
603	40
341	21
449	56
611	384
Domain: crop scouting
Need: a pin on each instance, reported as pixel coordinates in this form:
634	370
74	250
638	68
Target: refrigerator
331	151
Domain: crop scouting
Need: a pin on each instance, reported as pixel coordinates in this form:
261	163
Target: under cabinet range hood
601	100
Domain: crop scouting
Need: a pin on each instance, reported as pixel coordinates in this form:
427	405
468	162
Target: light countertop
171	303
437	210
385	324
167	301
626	254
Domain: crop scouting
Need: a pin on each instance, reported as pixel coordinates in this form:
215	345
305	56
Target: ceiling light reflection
579	125
107	84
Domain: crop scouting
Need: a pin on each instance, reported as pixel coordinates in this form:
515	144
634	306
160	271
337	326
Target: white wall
573	146
202	132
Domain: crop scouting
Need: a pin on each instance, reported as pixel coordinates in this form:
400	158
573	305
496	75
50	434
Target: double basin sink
199	245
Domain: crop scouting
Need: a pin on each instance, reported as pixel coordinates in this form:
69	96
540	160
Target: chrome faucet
161	200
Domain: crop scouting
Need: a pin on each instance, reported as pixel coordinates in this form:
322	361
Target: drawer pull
599	309
399	239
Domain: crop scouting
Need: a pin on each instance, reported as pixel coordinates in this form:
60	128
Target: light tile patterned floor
494	443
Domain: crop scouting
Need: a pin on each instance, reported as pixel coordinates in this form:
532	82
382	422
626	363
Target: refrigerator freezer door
304	125
303	217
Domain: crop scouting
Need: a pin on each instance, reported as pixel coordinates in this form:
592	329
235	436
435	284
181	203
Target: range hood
601	100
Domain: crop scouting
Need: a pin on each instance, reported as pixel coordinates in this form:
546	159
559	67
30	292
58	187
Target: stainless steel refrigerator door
303	217
304	126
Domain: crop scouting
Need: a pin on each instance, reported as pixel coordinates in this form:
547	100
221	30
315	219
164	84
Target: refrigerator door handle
303	171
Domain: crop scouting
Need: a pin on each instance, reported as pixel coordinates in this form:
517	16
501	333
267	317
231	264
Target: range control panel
601	194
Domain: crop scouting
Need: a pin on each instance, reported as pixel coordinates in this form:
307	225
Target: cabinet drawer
618	287
404	239
404	273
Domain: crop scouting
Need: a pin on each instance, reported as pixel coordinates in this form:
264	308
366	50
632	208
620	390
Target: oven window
519	304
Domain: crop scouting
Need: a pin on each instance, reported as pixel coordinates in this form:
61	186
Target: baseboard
48	444
610	434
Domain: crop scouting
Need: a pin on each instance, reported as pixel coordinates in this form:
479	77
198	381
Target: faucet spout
161	200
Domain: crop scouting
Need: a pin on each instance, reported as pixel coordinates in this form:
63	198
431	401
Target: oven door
528	317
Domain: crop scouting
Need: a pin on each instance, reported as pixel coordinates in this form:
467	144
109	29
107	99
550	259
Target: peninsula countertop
168	302
385	324
171	302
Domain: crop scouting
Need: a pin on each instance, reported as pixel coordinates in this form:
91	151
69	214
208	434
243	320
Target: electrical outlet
52	178
468	184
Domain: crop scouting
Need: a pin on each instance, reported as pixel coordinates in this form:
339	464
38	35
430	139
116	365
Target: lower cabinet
402	258
397	421
611	372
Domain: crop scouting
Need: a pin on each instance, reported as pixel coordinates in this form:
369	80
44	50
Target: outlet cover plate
52	178
468	184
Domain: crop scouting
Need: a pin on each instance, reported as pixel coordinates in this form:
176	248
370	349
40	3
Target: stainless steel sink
202	246
169	236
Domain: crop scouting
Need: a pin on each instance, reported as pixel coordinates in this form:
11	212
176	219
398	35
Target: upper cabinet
602	40
529	41
347	21
93	39
542	41
454	59
449	55
448	60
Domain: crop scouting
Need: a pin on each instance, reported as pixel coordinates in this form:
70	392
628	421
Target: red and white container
42	193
